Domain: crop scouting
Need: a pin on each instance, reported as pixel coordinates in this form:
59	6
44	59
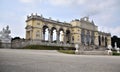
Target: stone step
93	53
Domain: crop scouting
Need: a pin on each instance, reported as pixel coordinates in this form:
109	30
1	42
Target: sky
104	13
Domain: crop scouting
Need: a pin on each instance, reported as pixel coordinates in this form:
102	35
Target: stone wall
5	45
22	43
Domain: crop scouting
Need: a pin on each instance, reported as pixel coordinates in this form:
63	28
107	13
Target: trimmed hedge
67	51
116	54
43	47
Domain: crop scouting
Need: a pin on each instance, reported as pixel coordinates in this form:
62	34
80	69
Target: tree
115	39
118	43
16	38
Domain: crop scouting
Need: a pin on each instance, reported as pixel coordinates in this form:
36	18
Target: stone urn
76	47
117	49
109	52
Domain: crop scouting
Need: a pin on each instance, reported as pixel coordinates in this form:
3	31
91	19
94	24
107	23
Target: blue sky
105	13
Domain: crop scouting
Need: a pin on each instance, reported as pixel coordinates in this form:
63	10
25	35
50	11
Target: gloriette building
79	31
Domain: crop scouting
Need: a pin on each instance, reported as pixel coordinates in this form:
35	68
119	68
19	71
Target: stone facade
79	31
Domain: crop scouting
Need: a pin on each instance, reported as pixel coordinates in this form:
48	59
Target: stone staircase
92	50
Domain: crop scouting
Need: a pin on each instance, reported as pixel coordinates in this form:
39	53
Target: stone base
93	53
5	45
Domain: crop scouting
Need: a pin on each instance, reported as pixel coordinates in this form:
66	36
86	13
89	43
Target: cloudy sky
105	13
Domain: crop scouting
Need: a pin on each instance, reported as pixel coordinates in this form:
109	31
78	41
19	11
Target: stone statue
77	47
116	48
4	35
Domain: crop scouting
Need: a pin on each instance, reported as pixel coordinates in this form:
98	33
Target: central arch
88	38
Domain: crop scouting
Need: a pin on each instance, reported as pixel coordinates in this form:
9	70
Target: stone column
64	38
101	40
58	35
104	41
49	35
79	39
96	42
90	39
85	37
31	34
43	35
109	40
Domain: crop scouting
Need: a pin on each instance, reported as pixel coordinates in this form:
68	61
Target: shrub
116	54
67	51
44	47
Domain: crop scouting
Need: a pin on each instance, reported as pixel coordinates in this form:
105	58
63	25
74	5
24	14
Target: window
38	23
72	38
38	33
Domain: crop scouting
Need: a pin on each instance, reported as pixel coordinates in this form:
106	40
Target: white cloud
27	1
31	1
61	2
112	30
103	11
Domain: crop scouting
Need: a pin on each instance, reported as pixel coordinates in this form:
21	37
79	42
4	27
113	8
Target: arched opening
0	43
102	39
45	33
83	36
54	35
99	38
88	38
61	35
105	41
92	38
68	36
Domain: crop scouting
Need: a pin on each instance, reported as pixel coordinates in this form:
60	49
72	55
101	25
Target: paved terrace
18	60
